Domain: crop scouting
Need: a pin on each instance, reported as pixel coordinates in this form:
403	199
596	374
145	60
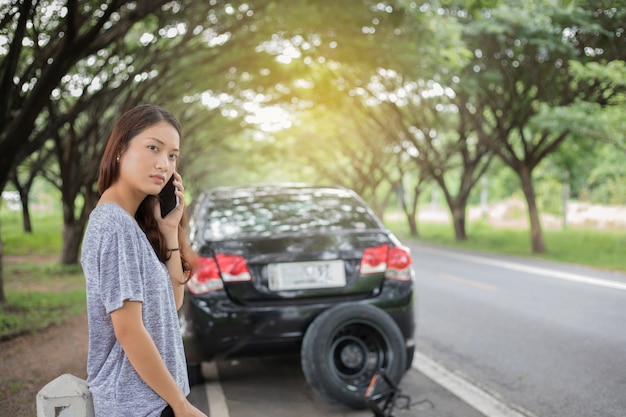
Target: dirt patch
37	259
29	362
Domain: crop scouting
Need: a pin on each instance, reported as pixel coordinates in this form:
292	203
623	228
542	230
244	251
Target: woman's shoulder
110	216
111	210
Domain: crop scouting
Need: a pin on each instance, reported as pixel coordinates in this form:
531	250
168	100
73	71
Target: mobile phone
167	198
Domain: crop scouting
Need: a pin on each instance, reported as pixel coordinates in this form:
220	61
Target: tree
435	131
591	160
319	61
92	97
346	148
418	113
78	149
521	61
44	42
31	169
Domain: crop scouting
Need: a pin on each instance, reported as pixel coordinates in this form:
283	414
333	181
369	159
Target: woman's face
150	159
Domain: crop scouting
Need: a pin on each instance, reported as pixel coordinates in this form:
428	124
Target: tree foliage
42	41
522	59
378	96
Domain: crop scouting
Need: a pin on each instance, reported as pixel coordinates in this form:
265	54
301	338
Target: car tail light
395	262
374	259
233	268
206	278
399	264
213	272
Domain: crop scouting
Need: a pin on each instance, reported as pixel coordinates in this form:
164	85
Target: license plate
306	275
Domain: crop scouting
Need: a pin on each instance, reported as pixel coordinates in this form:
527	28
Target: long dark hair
129	125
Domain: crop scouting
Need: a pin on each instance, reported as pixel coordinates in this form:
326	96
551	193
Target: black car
300	269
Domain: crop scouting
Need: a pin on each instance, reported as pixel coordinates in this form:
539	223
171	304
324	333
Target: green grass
602	249
36	310
38	294
45	239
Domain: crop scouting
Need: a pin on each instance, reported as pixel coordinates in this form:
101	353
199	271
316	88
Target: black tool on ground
381	395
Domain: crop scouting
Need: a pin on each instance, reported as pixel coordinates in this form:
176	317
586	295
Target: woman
135	263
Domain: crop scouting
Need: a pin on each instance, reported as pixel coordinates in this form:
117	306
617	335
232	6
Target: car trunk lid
301	267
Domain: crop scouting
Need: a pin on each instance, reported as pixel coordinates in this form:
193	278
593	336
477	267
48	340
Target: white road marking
214	392
567	276
472	395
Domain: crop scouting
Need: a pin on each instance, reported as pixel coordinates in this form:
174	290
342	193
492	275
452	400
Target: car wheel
345	346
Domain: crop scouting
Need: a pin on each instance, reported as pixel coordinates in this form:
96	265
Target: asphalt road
276	387
544	336
513	337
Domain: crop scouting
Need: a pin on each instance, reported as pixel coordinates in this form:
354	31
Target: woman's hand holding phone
171	201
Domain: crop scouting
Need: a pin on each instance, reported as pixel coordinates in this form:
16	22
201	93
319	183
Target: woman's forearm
143	354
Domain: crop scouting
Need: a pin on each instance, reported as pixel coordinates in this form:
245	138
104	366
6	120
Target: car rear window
252	215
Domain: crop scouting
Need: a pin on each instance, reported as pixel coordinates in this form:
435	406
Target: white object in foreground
65	396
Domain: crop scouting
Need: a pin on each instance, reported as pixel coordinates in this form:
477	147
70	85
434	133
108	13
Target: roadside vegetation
602	249
50	295
398	101
42	292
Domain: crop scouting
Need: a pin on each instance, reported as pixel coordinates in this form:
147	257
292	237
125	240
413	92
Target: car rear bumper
213	327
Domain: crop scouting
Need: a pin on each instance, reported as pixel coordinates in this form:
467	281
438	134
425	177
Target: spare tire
345	346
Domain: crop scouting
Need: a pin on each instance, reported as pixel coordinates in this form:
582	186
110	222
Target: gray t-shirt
120	264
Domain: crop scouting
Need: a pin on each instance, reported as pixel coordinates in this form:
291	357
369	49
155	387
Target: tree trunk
412	225
536	236
26	223
24	191
72	236
458	207
410	213
458	219
3	300
74	226
72	231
